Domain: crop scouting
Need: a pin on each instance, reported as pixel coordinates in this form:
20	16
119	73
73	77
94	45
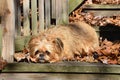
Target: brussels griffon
63	42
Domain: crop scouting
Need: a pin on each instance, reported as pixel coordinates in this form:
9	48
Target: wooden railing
29	17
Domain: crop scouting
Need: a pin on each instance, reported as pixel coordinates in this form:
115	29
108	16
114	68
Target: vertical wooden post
65	14
8	37
54	9
26	23
47	13
62	11
41	15
58	11
17	17
34	16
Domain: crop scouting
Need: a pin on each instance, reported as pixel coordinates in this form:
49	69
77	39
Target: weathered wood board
26	23
8	38
41	15
65	13
104	13
57	76
53	14
34	16
47	13
103	10
60	71
62	12
102	6
17	18
64	67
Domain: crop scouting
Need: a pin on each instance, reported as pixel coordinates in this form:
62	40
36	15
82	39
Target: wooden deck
60	71
57	76
65	67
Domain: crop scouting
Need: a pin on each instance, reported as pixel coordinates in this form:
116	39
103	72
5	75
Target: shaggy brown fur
63	42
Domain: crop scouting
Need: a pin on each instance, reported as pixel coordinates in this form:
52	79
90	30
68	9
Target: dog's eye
37	52
47	52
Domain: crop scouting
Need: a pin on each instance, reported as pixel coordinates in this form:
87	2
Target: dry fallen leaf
3	63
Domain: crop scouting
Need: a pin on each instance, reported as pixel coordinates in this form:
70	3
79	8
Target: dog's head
45	49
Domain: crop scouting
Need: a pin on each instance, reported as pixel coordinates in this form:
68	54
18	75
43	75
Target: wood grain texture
65	13
47	13
53	9
17	18
63	67
103	13
57	76
102	6
41	15
26	21
34	16
8	37
62	12
102	10
58	12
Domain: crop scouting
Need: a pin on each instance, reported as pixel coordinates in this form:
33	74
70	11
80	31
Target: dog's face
45	49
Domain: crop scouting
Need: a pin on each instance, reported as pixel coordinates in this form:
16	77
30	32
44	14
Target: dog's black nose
41	56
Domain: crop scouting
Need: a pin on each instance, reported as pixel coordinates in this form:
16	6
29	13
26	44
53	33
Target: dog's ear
58	43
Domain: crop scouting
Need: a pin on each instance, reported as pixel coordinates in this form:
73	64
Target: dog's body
63	42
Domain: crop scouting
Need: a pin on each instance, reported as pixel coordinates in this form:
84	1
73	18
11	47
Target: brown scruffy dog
63	42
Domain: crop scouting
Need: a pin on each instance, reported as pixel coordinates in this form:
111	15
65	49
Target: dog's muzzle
41	58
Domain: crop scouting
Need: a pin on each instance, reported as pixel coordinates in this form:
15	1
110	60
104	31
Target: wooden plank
1	33
103	10
74	4
58	12
62	12
8	38
34	16
65	13
64	67
21	42
101	6
58	76
26	23
41	15
53	9
47	14
103	13
17	18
